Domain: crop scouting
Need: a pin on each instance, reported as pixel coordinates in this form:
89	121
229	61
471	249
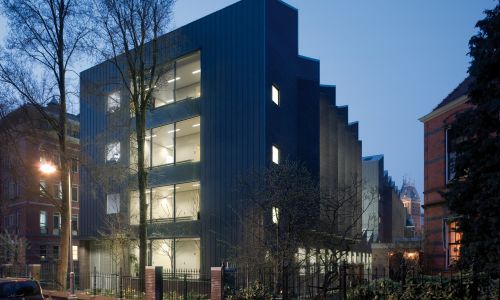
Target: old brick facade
438	251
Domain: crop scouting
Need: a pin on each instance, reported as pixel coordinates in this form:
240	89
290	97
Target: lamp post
48	169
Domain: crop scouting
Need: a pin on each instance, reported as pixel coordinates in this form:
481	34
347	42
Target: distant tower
411	201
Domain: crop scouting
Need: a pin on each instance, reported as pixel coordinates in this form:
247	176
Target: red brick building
28	198
441	236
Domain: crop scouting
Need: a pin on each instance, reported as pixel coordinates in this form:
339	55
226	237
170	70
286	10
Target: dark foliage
474	193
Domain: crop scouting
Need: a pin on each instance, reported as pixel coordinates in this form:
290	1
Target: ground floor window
454	238
174	255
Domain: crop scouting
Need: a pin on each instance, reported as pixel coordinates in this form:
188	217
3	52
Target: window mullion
175	81
175	204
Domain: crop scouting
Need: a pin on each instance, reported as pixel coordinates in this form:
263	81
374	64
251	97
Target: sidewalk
58	295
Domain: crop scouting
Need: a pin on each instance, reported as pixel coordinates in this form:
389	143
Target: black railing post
159	283
95	281
121	283
185	288
403	276
474	293
343	276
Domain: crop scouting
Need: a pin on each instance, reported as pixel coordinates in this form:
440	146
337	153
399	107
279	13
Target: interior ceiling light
196	72
172	80
196	125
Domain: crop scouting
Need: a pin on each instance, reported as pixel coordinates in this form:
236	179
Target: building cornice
459	101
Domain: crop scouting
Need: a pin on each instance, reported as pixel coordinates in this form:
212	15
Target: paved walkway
58	295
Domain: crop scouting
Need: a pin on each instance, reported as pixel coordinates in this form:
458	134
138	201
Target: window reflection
180	82
171	203
187	140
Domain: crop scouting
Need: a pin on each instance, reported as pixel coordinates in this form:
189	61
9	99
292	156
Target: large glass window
177	254
172	203
163	144
187	140
180	82
162	203
172	143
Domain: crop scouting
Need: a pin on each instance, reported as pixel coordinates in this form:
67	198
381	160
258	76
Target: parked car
20	288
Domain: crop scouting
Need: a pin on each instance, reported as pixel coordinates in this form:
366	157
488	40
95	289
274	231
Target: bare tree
42	44
12	247
128	38
291	225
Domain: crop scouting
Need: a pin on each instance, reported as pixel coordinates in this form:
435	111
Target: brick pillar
217	283
34	271
150	283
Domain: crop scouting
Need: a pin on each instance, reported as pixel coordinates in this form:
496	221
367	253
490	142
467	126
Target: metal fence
186	284
117	285
358	282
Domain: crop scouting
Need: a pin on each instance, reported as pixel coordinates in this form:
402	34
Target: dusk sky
392	61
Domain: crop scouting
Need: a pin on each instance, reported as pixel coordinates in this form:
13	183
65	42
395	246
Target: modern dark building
27	212
384	217
441	233
237	99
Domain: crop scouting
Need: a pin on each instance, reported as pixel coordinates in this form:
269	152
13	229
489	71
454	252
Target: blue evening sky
392	61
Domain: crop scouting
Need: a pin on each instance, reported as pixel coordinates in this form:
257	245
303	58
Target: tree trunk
142	181
62	268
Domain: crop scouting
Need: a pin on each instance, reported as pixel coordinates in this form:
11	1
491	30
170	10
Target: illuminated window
112	204
171	203
179	81
43	222
113	103
113	152
276	215
276	155
454	237
275	95
172	143
74	252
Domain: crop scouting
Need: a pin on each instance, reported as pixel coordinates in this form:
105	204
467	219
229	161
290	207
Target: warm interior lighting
47	168
172	131
196	72
196	125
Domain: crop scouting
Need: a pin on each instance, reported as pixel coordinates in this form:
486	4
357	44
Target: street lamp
48	169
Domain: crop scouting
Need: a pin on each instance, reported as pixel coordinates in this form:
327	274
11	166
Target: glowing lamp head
47	168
